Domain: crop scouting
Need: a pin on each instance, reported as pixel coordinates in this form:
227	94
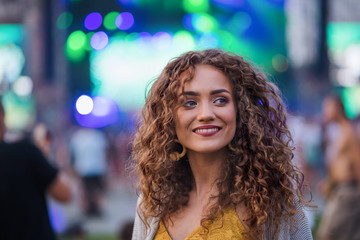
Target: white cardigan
301	229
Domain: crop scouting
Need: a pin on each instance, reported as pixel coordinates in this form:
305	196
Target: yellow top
230	228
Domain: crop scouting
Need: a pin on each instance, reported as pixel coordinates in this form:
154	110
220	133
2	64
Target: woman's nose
205	113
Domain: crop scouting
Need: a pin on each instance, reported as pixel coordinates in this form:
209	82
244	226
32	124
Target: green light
76	45
196	6
184	40
204	22
227	39
75	55
351	98
87	45
132	37
64	20
10	33
342	34
76	40
109	21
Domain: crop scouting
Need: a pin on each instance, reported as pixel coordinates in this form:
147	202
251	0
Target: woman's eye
190	103
221	100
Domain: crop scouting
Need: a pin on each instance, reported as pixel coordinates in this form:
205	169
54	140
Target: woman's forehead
205	77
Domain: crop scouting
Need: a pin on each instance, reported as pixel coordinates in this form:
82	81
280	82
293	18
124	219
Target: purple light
145	34
99	40
93	21
105	112
124	21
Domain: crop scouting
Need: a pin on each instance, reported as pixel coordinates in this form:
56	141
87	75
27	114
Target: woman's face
206	119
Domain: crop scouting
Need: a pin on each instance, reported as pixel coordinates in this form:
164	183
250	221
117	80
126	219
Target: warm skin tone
205	124
345	165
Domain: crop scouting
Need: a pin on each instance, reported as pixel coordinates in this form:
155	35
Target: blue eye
221	100
190	103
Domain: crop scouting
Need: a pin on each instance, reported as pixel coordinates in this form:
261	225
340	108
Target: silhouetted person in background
341	218
88	149
25	178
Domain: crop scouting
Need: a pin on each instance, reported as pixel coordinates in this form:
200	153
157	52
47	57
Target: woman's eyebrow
214	92
219	91
191	93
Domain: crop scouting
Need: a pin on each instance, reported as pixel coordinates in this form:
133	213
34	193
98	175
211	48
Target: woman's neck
206	169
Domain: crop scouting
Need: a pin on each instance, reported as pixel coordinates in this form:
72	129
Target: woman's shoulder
297	227
140	232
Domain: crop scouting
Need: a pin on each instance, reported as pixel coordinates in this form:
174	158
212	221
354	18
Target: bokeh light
280	63
109	20
162	40
341	35
64	20
11	33
196	6
75	46
240	22
20	112
351	99
76	40
104	112
208	40
93	21
23	86
99	40
204	22
115	71
228	40
84	104
12	61
187	21
124	21
87	45
184	40
75	55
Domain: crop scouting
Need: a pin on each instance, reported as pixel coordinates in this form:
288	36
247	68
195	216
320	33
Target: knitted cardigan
300	230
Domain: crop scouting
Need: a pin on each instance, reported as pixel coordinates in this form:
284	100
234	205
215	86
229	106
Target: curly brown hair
259	174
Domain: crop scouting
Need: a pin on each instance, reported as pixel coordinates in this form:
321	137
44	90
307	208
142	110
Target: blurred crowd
90	162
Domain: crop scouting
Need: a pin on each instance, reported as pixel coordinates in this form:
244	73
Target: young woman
213	157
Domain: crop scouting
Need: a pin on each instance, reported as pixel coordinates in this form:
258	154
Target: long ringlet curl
259	175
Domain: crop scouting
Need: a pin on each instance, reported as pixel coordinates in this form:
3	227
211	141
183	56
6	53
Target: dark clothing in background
341	218
25	174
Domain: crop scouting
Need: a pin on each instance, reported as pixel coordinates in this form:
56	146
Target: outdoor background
89	63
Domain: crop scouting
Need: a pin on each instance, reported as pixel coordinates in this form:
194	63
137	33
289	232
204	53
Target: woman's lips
207	130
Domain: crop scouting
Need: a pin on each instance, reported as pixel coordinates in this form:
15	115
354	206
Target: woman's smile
207	130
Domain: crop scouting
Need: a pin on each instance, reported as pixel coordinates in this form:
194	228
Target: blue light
187	22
